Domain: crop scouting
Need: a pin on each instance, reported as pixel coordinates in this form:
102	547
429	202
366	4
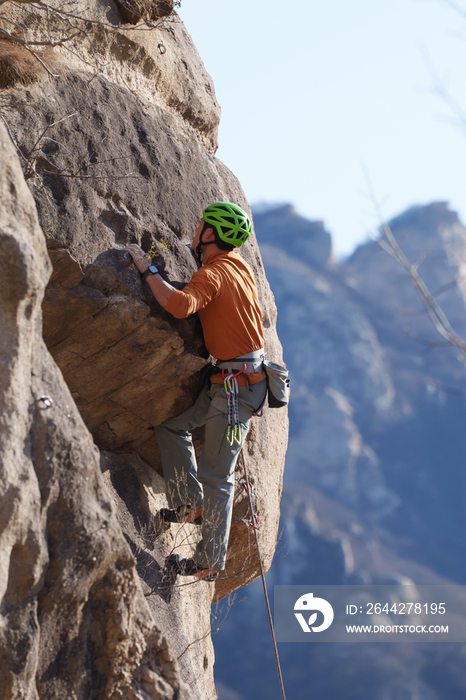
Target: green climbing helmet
232	224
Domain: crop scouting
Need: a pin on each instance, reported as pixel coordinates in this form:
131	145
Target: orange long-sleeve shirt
224	293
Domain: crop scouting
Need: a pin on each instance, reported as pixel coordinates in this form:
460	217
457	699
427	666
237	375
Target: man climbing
223	291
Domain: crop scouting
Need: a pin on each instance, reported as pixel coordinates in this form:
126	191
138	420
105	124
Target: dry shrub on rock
19	66
133	11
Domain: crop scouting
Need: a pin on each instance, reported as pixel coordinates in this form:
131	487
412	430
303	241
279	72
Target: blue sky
310	90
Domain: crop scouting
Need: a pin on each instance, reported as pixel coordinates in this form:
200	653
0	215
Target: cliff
113	131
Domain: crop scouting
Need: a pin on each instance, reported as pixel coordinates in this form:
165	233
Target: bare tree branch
441	89
388	242
445	388
454	6
49	126
429	345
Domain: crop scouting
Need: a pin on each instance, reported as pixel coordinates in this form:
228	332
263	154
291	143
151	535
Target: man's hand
138	256
159	288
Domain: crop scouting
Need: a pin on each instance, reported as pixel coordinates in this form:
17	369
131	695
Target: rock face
115	356
74	620
118	148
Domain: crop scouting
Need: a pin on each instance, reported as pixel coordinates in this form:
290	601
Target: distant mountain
375	482
285	229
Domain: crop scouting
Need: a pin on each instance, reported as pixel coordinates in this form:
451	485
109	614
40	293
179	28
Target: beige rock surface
159	65
73	620
120	353
136	165
182	611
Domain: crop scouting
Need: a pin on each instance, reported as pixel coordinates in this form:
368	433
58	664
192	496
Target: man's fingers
138	255
135	250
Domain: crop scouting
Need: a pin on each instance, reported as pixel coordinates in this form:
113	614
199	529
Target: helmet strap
201	244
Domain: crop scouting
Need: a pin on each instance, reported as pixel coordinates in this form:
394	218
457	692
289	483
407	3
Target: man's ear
208	235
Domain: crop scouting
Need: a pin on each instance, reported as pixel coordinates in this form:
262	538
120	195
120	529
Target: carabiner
234	434
237	433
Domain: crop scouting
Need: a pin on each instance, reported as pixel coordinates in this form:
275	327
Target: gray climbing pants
210	483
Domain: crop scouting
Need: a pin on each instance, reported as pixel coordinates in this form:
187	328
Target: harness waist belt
252	360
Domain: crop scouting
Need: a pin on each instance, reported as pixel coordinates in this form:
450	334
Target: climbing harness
230	384
254	524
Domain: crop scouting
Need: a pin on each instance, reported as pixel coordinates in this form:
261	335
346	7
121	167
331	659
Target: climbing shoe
182	514
188	567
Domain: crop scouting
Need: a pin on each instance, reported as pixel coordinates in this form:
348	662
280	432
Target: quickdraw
230	384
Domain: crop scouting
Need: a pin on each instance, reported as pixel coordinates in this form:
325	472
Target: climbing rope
254	524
